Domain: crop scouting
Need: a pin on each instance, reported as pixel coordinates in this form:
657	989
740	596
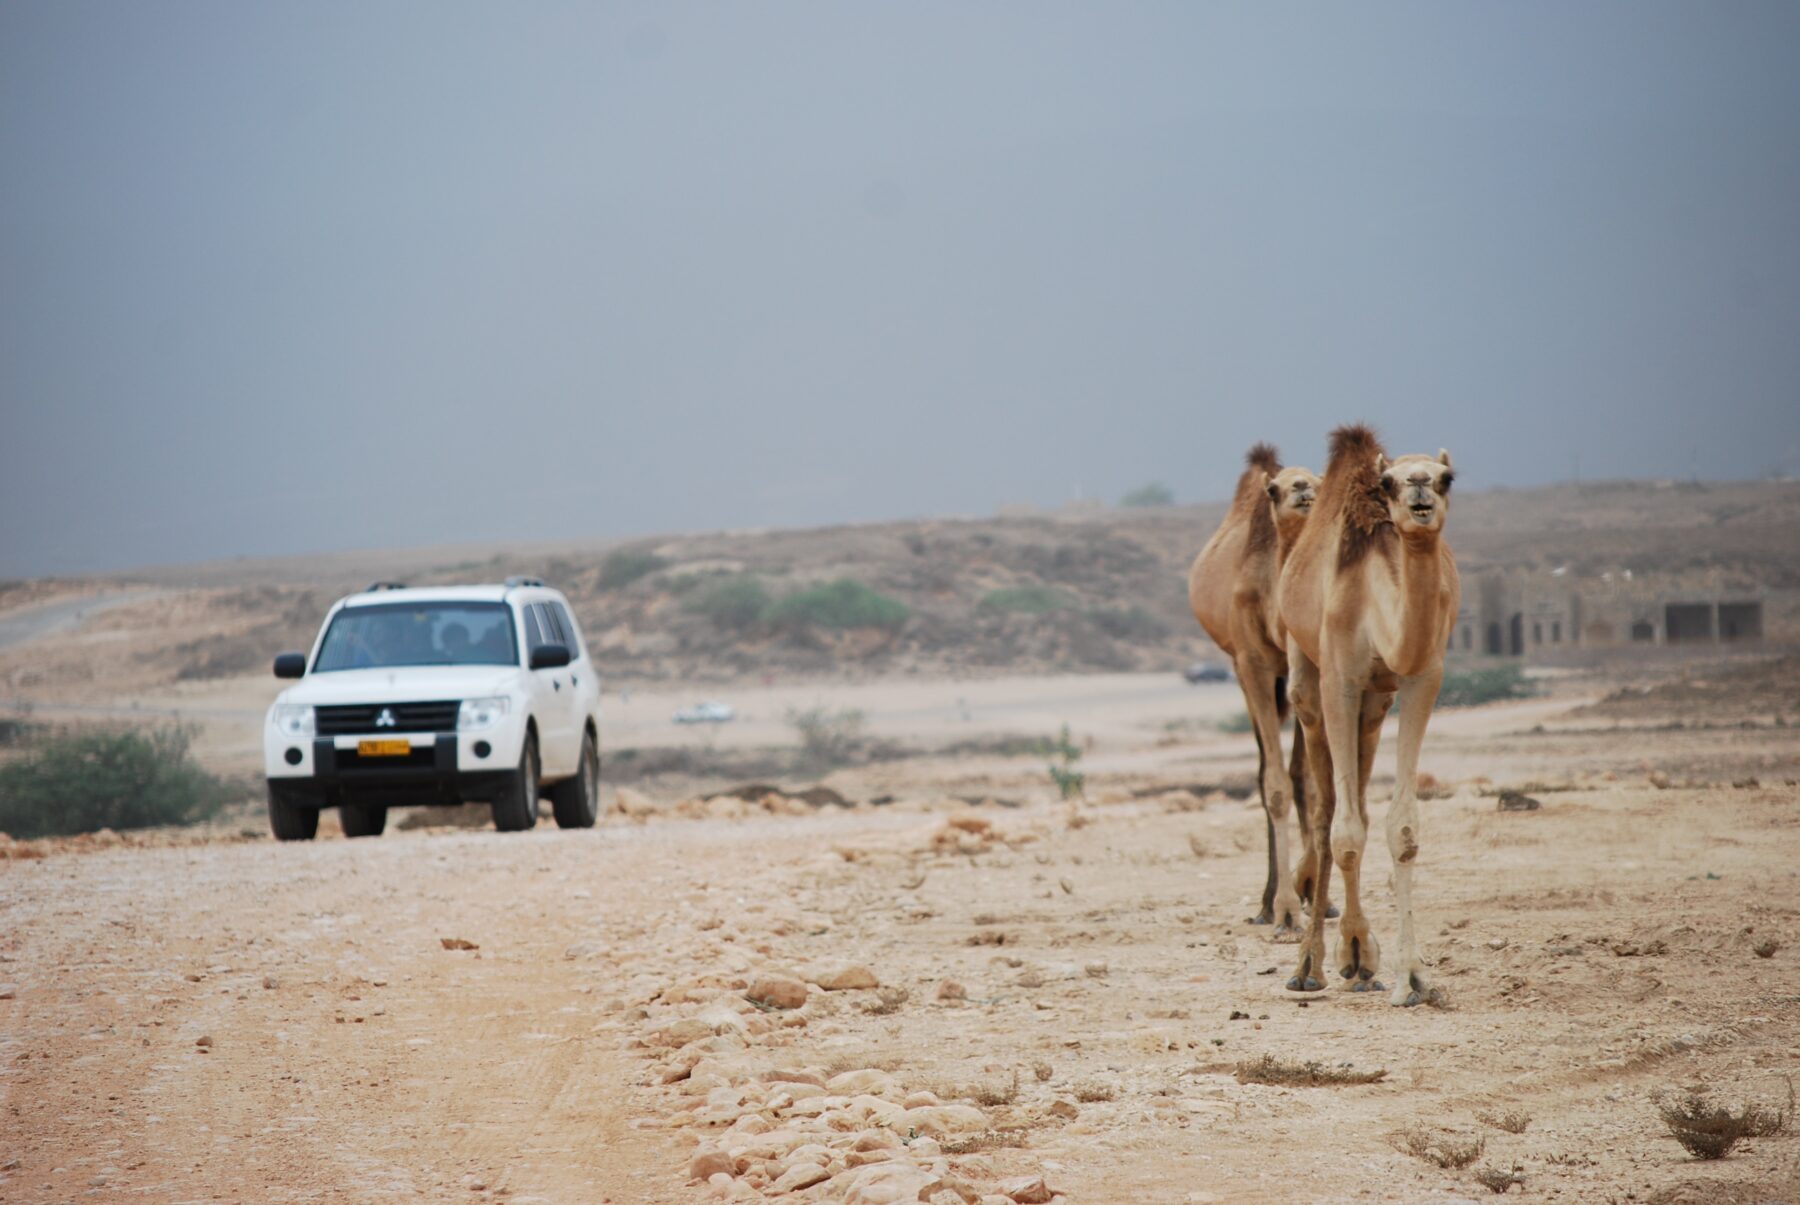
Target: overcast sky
293	277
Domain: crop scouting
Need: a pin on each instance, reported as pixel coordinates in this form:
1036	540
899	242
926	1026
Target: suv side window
534	629
571	636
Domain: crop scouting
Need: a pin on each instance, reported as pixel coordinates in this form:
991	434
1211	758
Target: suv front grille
360	719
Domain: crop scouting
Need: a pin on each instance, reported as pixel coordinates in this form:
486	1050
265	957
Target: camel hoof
1308	984
1287	934
1261	918
1413	1000
1331	912
1368	985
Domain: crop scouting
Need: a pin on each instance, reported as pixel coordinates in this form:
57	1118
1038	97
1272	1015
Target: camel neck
1421	580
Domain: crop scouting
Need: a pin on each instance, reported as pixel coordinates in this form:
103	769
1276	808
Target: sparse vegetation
838	605
1448	1151
1513	1121
734	604
1153	494
1092	1091
1128	623
1498	1180
627	565
986	1140
1043	1071
1069	781
827	737
1025	600
1473	687
1709	1131
1270	1070
118	778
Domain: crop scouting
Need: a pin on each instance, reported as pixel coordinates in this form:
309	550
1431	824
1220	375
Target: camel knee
1403	830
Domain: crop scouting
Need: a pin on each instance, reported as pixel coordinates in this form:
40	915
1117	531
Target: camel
1368	597
1232	590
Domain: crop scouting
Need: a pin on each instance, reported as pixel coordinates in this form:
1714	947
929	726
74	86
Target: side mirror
550	656
290	665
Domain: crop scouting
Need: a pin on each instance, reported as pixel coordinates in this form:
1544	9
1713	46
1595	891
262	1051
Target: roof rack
377	586
520	580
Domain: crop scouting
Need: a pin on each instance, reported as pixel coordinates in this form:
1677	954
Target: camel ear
1444	458
1271	489
1381	463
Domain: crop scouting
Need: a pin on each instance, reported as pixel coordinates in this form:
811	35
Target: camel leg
1303	691
1277	790
1358	953
1417	696
1303	680
1359	956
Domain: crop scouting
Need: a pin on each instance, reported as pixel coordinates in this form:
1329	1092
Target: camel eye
1389	486
1444	482
1274	492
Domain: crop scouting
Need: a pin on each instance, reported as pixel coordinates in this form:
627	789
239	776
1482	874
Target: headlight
293	719
476	714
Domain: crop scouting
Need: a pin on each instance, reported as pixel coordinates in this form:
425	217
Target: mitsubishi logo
386	718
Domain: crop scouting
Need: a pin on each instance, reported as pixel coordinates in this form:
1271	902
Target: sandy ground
236	1020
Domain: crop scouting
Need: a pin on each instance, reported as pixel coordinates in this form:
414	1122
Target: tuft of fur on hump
1351	495
1252	498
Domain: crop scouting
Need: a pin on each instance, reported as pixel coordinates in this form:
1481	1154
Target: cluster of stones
764	1129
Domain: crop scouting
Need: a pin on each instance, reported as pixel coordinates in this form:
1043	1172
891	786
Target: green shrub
735	604
627	565
844	603
1129	623
1068	780
77	782
1472	687
1154	494
1026	600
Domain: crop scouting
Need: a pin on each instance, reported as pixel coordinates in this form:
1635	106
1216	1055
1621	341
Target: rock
777	991
921	1099
803	1175
1517	801
585	949
203	1042
789	1076
891	1183
680	1033
1064	1109
867	1080
634	804
1027	1190
951	990
8	991
269	983
1096	970
942	1120
720	1018
846	978
457	943
875	1140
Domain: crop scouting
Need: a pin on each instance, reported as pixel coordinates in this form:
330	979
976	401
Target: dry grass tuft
1043	1071
887	1000
1271	1070
1448	1151
1498	1180
1513	1121
1709	1131
1094	1090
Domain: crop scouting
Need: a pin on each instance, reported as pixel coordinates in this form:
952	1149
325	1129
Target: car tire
576	801
288	820
362	819
516	808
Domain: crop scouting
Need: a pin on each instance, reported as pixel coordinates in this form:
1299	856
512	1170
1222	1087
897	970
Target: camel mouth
1303	505
1422	512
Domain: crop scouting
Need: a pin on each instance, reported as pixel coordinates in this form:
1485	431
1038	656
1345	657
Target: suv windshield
394	634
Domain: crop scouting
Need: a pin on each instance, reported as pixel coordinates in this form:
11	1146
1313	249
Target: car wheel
291	821
362	820
576	801
516	808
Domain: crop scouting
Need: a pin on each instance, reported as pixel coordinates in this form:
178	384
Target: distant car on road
1206	671
706	713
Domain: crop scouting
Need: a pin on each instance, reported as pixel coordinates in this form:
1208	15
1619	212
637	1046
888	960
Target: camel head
1293	491
1417	490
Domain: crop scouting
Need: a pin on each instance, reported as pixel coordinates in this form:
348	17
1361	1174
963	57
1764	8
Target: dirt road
1061	993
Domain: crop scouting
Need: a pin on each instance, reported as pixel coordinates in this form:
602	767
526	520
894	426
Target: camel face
1417	490
1293	491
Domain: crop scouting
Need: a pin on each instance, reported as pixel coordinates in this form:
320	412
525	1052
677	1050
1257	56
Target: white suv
445	694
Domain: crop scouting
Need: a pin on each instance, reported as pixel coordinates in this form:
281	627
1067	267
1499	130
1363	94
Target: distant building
1536	614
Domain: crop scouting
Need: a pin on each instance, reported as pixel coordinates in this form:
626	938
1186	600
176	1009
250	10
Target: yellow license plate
383	748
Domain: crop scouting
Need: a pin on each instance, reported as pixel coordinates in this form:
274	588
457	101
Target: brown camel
1368	596
1232	590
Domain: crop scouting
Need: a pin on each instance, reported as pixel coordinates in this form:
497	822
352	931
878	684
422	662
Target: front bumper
441	767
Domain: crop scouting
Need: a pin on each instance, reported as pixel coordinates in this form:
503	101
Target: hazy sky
289	277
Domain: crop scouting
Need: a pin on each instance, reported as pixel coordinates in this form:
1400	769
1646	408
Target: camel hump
1353	442
1264	456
